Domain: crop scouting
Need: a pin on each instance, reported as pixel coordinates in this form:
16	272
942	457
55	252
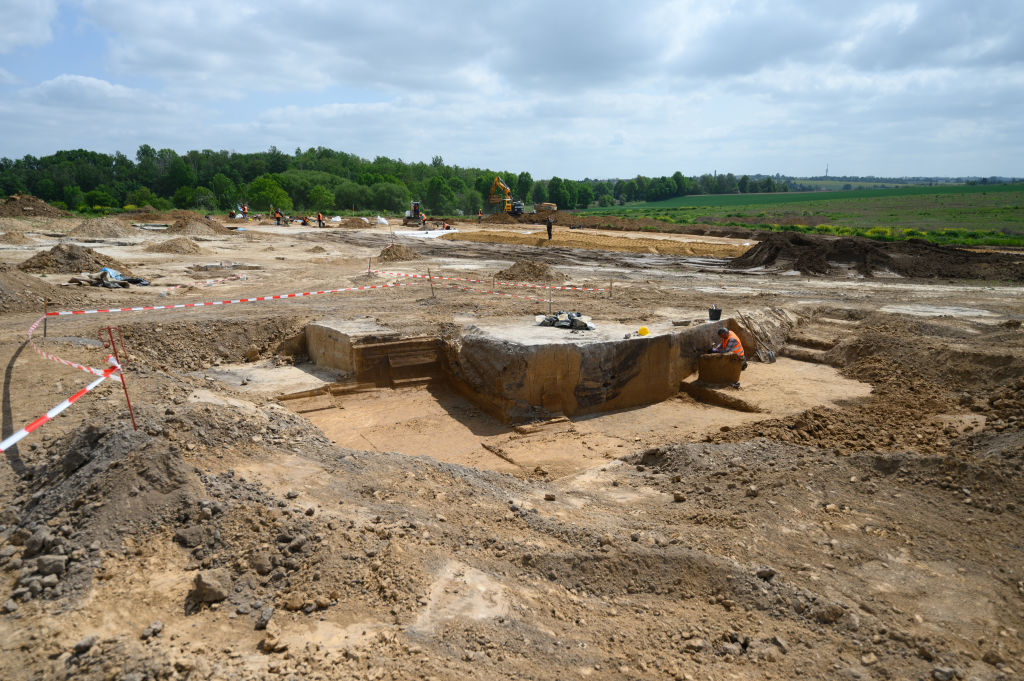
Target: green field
966	214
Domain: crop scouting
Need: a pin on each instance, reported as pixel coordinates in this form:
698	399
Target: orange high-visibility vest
737	348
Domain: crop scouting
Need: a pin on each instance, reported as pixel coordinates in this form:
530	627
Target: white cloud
25	22
7	78
577	89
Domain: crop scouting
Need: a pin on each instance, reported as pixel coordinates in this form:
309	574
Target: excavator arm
497	186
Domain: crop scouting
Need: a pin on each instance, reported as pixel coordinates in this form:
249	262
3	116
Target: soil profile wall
516	381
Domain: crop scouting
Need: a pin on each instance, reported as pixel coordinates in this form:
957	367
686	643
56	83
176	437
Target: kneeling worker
730	345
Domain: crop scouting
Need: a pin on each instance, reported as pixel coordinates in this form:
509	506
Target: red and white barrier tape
55	358
226	302
497	283
208	282
16	437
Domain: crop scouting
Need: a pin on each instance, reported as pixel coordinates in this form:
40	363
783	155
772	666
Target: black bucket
714	314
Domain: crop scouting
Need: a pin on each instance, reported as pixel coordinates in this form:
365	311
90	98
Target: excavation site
368	451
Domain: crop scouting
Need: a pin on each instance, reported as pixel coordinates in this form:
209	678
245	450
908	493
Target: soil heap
396	252
815	254
102	228
70	259
196	226
22	292
27	206
525	270
15	239
181	245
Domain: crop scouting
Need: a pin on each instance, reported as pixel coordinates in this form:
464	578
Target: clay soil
864	523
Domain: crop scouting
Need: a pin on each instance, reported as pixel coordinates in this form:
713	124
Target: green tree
539	192
584	195
141	197
205	199
320	197
183	197
98	197
524	183
73	196
557	193
470	201
352	195
744	184
264	192
605	200
225	190
440	197
390	196
629	190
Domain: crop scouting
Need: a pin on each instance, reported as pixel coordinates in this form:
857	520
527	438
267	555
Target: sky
595	89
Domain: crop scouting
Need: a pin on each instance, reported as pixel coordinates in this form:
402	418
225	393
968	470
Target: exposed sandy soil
866	524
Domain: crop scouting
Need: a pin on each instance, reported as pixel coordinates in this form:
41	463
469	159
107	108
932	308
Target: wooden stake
431	280
368	261
610	287
45	302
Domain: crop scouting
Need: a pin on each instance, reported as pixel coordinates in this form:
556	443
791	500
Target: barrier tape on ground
227	302
55	358
498	283
208	282
13	439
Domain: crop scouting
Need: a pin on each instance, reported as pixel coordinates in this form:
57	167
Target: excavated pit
588	396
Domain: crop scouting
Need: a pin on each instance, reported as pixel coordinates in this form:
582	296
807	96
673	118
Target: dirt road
866	524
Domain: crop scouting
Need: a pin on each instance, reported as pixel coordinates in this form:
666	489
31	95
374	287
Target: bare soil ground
866	524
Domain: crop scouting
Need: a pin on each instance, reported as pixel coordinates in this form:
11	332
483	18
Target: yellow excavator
505	197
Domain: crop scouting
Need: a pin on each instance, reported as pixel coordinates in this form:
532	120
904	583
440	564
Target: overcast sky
575	89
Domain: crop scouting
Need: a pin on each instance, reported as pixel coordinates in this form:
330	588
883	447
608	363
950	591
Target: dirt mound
396	252
813	254
317	249
28	206
70	259
196	227
102	228
23	292
180	244
500	219
525	270
15	239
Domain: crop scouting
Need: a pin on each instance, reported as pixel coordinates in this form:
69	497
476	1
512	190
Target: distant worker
423	219
245	211
549	223
479	215
305	221
277	215
319	219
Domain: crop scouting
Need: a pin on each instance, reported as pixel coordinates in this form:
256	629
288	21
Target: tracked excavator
500	193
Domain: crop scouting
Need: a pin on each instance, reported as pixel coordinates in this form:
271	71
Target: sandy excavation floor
866	525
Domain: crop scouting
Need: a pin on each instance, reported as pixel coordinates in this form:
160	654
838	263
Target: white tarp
381	221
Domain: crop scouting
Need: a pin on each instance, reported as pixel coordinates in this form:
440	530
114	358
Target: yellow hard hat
643	331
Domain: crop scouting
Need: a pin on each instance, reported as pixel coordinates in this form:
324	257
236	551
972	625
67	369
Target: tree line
319	179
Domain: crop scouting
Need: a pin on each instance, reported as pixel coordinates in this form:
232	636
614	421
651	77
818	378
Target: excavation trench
515	397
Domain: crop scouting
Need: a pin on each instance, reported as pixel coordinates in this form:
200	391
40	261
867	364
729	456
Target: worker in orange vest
730	345
277	215
319	219
479	215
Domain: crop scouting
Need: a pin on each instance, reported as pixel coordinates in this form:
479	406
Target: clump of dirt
180	244
526	270
317	249
71	259
23	292
194	226
27	206
500	219
102	228
816	254
397	252
15	239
